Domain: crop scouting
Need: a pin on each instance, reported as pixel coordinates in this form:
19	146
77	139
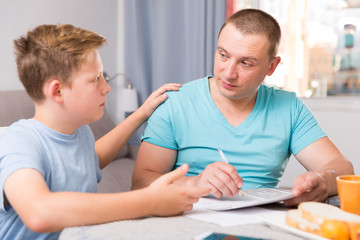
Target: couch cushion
15	105
116	177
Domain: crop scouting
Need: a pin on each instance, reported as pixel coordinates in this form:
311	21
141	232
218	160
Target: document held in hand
252	197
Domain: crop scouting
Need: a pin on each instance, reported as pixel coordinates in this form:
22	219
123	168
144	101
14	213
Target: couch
16	104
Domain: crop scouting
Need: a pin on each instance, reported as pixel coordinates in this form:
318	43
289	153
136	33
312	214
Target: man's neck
234	110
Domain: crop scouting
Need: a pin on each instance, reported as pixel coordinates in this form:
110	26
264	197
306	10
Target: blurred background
320	45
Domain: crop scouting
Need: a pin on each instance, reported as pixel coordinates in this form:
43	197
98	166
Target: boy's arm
109	145
45	211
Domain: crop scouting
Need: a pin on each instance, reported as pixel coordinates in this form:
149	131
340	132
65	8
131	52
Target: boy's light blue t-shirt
67	162
259	148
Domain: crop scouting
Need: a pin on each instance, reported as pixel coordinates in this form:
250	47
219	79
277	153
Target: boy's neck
54	119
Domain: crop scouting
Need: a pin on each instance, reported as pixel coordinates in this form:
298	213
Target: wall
19	16
339	117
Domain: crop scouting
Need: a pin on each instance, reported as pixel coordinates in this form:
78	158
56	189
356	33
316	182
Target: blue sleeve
17	152
305	128
159	129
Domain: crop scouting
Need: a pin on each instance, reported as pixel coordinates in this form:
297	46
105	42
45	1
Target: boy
50	164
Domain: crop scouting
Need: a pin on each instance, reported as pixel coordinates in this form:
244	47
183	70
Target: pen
222	155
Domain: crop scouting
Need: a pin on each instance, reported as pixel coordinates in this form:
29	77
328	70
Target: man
256	126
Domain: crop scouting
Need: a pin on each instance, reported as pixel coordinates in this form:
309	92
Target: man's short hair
52	51
255	21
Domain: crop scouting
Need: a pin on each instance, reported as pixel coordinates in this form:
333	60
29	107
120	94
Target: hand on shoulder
157	97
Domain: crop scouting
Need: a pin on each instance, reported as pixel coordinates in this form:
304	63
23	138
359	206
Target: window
320	45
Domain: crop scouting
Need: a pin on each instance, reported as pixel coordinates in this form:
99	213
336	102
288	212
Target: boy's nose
107	87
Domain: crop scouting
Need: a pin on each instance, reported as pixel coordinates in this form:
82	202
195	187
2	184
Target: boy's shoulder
18	133
21	126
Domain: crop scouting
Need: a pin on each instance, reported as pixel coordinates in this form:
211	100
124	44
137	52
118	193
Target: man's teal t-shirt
259	148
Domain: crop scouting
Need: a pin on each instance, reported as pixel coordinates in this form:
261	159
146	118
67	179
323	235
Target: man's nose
231	70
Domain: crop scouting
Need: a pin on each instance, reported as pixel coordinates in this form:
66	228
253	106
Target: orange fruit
355	231
335	230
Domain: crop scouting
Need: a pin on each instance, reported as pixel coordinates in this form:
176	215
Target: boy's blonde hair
53	51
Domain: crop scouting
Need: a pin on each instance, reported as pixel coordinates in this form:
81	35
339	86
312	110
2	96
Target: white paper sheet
252	198
232	217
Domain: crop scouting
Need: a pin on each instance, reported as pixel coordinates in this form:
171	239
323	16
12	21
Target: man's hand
172	199
324	163
222	178
310	186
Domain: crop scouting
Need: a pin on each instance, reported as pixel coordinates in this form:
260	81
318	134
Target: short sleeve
17	153
159	129
305	128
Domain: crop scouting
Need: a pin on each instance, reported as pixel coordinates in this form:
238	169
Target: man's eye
97	79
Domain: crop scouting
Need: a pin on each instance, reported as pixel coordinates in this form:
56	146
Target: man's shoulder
276	93
196	82
177	101
190	88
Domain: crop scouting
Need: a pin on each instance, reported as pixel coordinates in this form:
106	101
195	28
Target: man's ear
52	90
274	63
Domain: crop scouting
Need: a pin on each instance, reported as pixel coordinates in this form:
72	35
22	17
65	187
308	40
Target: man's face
241	63
85	99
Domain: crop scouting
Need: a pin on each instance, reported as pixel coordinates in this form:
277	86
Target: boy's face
85	99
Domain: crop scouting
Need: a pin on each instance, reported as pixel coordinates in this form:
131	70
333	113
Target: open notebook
252	197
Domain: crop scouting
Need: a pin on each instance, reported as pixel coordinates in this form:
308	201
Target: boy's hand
171	199
157	97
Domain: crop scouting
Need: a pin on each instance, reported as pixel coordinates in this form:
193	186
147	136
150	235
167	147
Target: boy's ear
52	90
